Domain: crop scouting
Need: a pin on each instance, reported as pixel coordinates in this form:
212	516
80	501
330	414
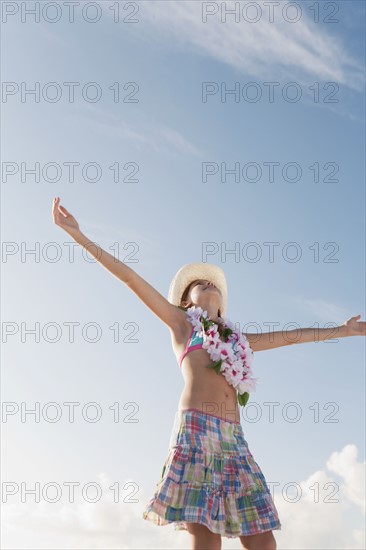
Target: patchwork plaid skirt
210	477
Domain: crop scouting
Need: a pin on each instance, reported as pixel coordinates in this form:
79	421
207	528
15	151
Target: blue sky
169	215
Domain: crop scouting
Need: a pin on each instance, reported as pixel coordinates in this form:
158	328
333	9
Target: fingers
56	201
54	206
62	209
58	209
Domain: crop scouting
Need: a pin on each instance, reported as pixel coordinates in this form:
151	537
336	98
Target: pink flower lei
235	366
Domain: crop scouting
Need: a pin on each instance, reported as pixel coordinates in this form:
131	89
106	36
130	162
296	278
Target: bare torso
203	388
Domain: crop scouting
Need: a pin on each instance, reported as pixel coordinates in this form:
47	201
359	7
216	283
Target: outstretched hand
63	218
354	327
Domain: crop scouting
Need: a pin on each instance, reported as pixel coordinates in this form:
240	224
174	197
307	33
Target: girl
210	484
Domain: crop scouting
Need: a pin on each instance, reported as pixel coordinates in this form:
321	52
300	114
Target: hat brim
191	272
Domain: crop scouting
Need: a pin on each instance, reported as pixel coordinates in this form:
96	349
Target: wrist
78	236
343	331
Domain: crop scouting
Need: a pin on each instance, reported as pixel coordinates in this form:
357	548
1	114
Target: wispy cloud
146	133
263	49
321	309
122	234
178	141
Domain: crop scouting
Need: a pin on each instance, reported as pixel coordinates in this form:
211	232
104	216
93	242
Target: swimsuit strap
189	346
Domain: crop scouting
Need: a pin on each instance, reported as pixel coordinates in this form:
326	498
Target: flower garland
235	366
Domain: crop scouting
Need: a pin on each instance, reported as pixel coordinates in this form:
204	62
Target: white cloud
314	521
345	465
320	519
84	525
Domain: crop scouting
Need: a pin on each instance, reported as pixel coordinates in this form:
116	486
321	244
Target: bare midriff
204	389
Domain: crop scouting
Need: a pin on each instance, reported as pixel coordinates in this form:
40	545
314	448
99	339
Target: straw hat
189	273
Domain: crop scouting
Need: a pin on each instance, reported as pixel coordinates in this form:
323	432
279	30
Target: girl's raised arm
171	315
270	340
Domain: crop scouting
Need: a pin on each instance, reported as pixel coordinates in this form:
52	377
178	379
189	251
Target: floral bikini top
195	341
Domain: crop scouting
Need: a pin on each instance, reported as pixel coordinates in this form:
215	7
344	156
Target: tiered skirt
210	477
